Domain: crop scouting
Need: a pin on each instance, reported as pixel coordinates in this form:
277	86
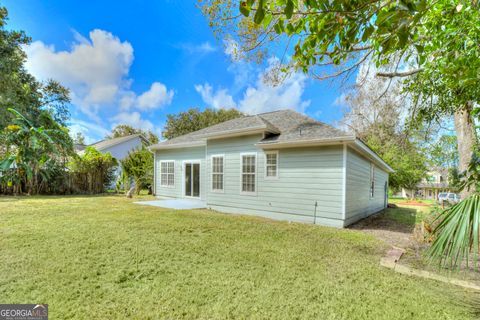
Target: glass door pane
196	179
188	179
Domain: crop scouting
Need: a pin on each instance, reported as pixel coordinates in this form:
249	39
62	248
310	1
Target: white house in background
282	165
431	186
117	147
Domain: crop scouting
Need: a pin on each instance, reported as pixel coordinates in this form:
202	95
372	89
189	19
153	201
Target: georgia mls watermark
23	311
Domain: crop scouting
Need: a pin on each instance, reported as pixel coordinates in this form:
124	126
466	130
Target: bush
92	172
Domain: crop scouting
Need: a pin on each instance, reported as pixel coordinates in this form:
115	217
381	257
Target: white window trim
182	174
371	190
249	193
211	173
174	176
277	165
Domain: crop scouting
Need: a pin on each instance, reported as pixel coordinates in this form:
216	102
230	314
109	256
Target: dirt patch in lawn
391	231
415	203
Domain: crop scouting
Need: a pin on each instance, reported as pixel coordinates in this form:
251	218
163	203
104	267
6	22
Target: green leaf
260	14
244	8
5	164
367	33
289	9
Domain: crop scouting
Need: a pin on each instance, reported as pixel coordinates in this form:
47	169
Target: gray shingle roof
283	126
103	144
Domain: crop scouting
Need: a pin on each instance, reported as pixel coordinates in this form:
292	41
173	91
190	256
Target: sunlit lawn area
107	258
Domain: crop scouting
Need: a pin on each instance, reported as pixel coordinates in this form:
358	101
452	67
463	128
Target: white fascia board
363	148
306	143
178	145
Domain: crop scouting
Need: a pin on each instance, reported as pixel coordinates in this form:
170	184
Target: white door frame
185	162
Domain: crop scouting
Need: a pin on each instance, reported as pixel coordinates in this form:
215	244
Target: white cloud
95	70
157	96
261	96
202	48
218	99
88	130
134	119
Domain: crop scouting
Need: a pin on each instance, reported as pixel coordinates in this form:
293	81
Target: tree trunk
467	139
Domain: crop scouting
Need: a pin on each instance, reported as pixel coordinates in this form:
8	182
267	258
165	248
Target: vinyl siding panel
120	151
358	202
305	176
179	156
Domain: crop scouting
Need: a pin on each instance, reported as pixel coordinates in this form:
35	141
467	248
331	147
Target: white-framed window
167	173
248	173
372	180
217	173
271	164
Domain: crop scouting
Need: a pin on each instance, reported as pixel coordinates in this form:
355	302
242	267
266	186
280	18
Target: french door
192	179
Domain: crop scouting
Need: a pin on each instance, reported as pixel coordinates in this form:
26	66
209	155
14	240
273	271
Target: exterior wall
179	156
121	150
305	176
358	203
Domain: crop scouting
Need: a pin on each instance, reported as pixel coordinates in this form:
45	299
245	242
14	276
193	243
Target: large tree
123	130
431	44
19	89
377	117
193	119
34	142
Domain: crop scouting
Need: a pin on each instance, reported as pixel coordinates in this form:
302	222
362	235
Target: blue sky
135	62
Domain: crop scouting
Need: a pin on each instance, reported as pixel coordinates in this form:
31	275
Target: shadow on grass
394	219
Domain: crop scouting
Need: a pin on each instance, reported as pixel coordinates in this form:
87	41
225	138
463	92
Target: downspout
154	189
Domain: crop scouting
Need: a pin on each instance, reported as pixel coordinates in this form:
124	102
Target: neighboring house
117	147
281	165
429	188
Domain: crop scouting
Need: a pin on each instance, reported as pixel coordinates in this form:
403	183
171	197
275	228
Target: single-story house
281	165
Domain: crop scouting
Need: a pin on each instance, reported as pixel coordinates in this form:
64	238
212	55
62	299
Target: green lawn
107	258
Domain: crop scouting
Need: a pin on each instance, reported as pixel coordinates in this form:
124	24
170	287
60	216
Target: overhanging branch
399	74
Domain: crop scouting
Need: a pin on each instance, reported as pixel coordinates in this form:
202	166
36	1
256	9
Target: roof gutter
306	143
178	145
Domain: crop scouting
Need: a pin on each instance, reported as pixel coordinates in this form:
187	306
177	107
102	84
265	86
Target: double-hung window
249	169
167	173
271	164
372	180
217	173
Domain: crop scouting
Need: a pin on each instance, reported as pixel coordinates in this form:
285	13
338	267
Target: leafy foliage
193	119
138	166
443	153
20	90
378	122
92	172
403	156
31	152
435	41
123	130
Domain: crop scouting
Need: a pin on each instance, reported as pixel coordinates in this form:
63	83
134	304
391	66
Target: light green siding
179	156
305	176
358	202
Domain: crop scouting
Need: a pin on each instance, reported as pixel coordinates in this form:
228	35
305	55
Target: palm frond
457	234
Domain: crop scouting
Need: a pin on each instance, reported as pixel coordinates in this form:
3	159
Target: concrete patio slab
177	204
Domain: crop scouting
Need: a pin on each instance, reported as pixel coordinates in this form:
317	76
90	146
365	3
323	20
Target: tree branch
399	74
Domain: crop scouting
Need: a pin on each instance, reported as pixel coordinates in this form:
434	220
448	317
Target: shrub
92	172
